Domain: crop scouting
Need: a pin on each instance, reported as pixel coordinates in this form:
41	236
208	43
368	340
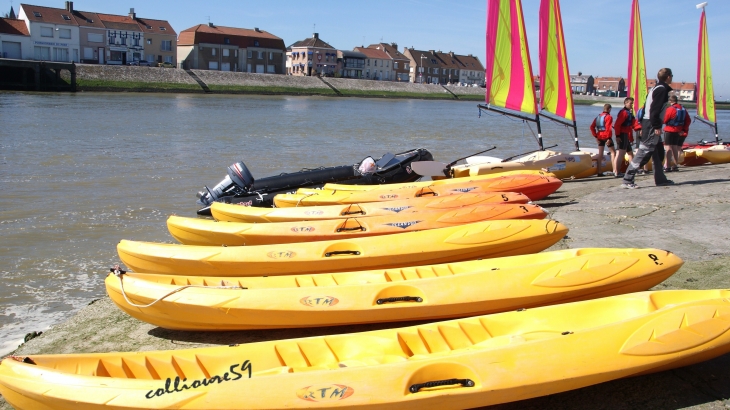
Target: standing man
602	132
625	123
676	125
651	146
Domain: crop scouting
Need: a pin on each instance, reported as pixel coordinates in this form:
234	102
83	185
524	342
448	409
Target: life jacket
678	119
601	122
629	118
640	114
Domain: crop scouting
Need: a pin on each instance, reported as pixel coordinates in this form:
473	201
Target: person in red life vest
676	126
625	123
602	132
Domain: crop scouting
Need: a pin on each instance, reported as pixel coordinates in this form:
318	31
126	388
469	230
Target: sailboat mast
705	89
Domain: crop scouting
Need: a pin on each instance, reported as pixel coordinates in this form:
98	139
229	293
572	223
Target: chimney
70	6
394	45
432	51
256	29
315	35
210	24
579	74
132	14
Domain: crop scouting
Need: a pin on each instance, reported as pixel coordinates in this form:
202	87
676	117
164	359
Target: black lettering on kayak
177	385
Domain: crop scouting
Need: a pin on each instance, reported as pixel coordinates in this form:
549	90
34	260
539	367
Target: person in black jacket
651	146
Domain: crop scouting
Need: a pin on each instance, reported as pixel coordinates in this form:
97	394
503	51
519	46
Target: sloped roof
116	22
470	62
87	19
449	61
390	49
48	15
373	53
153	26
241	37
13	26
231	31
429	60
314	42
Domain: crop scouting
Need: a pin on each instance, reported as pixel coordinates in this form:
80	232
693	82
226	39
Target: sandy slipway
691	219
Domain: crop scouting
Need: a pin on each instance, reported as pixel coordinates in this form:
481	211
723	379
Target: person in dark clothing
651	146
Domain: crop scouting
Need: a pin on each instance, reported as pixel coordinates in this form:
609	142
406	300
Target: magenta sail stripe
517	80
562	107
702	87
492	22
632	86
529	62
543	50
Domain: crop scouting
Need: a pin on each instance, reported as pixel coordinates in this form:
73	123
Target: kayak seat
386	160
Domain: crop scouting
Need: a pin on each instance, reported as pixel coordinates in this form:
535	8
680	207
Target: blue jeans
650	147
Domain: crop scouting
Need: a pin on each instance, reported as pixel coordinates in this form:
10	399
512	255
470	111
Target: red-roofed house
54	34
377	64
211	47
401	63
609	86
15	39
472	70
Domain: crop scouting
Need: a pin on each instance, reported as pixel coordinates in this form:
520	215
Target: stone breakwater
132	78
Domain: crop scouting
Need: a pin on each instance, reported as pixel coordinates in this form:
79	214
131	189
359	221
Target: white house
54	33
15	39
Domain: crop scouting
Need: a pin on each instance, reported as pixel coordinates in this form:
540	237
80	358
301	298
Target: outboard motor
238	182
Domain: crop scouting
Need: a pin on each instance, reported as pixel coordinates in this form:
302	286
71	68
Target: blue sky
596	31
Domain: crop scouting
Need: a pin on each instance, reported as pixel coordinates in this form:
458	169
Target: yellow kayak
477	240
562	165
457	364
238	213
535	187
422	184
414	293
717	154
195	231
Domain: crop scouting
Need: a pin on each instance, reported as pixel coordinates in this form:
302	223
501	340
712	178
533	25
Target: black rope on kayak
415	388
348	212
119	273
426	191
328	254
400	299
359	226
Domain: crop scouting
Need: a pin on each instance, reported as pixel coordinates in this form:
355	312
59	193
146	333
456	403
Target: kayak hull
458	364
485	286
471	241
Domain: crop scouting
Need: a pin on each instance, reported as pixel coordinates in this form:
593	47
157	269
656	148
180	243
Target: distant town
69	35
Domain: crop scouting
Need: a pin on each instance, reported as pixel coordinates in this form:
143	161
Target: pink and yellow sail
556	95
705	90
636	79
509	78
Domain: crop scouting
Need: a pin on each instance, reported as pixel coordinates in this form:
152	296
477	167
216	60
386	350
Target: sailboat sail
509	71
705	90
636	83
556	95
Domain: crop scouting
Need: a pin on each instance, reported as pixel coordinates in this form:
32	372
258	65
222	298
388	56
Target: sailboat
510	87
718	154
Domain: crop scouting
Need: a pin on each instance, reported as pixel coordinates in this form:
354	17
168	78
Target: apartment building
425	67
400	63
471	70
350	64
212	47
54	34
378	64
450	66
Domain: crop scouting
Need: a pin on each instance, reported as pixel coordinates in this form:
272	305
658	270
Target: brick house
425	66
450	67
211	47
312	56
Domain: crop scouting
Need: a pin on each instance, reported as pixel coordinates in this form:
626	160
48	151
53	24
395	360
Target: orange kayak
195	231
534	187
239	213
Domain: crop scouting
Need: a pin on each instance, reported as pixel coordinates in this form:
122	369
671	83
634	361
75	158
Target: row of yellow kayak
531	323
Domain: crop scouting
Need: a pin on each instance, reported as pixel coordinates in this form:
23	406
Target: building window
235	53
249	54
213	52
149	41
260	55
168	59
395	65
95	38
46	31
64	33
166	45
37	14
271	56
66	17
43	53
162	29
226	40
271	69
226	52
88	53
61	54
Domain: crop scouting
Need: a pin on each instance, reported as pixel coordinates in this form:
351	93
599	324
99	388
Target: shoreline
689	219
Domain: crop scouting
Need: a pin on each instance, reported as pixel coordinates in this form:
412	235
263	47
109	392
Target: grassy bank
134	86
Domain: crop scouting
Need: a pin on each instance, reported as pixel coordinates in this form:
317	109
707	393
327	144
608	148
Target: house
471	70
15	39
609	86
582	84
450	66
378	64
400	63
350	63
54	34
312	56
425	66
95	38
211	47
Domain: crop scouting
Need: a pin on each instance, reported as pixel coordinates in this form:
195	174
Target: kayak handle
328	254
400	299
357	228
463	382
353	213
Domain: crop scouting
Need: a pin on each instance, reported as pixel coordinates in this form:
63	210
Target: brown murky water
79	172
